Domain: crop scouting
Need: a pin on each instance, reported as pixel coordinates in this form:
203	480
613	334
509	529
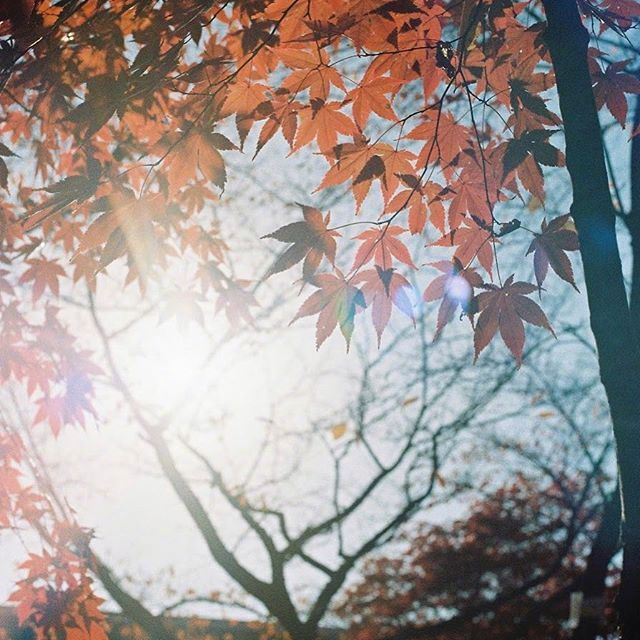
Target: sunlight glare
165	361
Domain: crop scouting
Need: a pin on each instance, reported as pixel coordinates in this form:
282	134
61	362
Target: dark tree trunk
594	215
607	541
593	584
633	221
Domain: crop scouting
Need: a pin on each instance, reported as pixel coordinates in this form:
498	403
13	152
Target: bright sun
166	362
237	387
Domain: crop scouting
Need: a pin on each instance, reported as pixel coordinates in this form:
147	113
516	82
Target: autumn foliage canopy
118	119
504	570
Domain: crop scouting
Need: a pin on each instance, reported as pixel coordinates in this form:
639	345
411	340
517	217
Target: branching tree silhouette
387	469
118	118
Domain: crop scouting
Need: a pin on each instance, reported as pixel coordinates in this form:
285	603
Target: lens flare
457	288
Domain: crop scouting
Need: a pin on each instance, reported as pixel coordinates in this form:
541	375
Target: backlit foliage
503	572
117	121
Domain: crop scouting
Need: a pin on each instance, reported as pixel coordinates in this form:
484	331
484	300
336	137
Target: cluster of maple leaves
116	119
56	594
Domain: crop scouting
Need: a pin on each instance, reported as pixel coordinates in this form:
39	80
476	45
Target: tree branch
131	607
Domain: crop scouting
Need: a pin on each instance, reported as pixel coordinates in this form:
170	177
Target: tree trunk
633	221
606	543
594	579
594	216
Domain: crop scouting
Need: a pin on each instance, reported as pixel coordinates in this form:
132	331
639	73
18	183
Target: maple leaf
549	247
413	199
471	242
105	96
521	97
617	15
445	137
243	97
323	32
382	245
309	238
323	121
507	308
281	114
474	185
317	78
610	87
370	97
336	304
69	190
373	168
236	299
531	143
44	274
362	163
197	150
397	6
384	289
125	227
470	198
525	154
71	611
72	406
531	177
235	296
454	287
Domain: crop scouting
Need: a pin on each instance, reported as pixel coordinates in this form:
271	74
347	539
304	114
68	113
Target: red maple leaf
44	274
507	308
549	247
610	87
